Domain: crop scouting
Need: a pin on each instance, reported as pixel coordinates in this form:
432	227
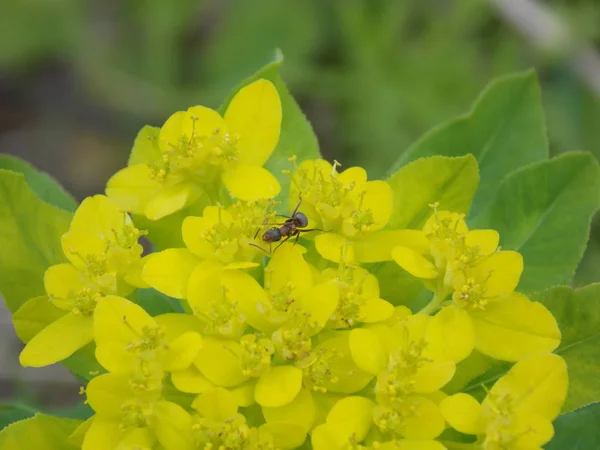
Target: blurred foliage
371	75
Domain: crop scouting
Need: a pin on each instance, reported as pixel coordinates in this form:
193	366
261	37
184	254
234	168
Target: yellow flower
518	410
104	253
481	280
130	409
412	359
344	204
196	149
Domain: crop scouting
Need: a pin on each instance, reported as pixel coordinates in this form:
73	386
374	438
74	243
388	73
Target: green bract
292	302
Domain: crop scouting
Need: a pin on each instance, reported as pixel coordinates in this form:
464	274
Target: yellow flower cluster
283	343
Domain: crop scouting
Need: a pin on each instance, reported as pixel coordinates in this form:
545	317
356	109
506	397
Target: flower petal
250	183
172	426
254	114
451	334
279	386
353	416
169	200
102	434
216	404
106	393
301	411
334	247
515	327
368	352
169	271
502	271
414	263
182	351
377	246
132	188
463	413
319	302
63	282
57	341
375	310
286	436
218	362
191	381
426	420
486	240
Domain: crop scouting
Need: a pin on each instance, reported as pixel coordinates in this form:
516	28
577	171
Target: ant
290	228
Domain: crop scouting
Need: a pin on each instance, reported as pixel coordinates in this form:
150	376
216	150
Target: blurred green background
79	78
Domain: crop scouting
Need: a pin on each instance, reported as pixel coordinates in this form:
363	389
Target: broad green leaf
44	186
504	131
14	413
297	136
451	182
156	303
39	432
577	312
30	232
144	146
543	211
577	430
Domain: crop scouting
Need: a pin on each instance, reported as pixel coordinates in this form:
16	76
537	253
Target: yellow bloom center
471	295
231	434
256	354
135	414
151	338
292	341
362	218
248	216
317	187
222	316
85	302
501	433
317	369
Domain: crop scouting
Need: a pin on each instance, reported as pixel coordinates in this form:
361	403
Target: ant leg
281	243
283	215
297	206
312	229
297	237
265	222
258	246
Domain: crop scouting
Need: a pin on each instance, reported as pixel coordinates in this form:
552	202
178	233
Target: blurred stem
434	304
546	31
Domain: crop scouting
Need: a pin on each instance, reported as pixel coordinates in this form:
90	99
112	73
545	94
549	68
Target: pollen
292	341
317	369
471	295
232	434
151	338
256	354
85	302
135	414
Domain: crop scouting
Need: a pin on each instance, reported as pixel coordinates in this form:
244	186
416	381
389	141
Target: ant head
272	235
300	219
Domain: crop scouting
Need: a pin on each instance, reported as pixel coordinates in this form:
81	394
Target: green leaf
543	211
39	432
30	232
577	430
577	312
451	182
44	186
14	413
155	303
504	131
297	136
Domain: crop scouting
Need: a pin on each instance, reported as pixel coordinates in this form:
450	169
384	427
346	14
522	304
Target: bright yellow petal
301	411
175	324
375	310
426	420
218	362
287	267
106	393
412	444
450	333
62	283
133	276
191	381
197	120
250	183
34	315
169	271
486	240
501	272
353	416
328	437
368	352
169	200
319	302
334	247
540	383
534	430
216	404
352	176
286	436
279	386
254	114
375	197
414	263
377	246
132	188
244	393
463	413
172	426
102	434
433	375
57	341
182	351
515	327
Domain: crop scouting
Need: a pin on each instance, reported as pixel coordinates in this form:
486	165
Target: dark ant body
292	227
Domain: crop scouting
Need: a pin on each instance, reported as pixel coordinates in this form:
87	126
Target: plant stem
433	305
